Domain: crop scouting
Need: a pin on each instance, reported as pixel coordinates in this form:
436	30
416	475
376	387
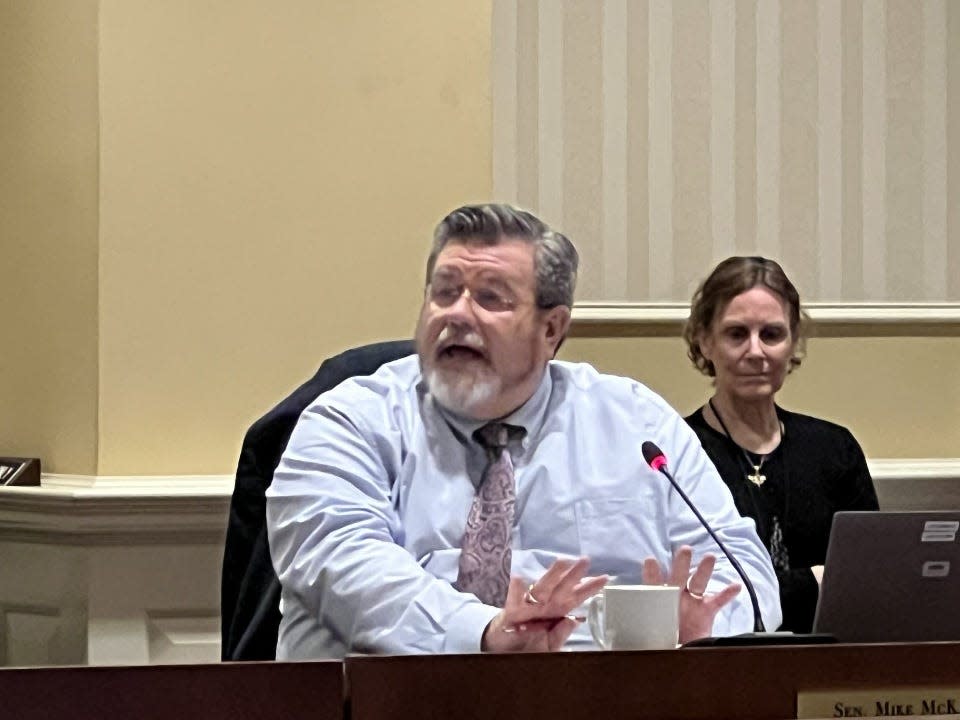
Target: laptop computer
891	577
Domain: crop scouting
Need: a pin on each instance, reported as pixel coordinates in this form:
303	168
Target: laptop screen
891	577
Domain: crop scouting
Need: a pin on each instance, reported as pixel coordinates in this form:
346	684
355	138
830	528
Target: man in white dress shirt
383	524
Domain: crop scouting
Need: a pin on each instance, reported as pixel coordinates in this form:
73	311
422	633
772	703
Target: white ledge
820	313
915	469
88	486
145	510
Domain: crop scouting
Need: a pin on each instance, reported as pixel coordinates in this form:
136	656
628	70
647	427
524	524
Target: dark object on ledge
19	471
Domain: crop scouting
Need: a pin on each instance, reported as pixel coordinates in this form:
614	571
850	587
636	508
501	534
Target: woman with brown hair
789	472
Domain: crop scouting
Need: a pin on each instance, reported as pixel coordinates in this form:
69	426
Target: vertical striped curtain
664	136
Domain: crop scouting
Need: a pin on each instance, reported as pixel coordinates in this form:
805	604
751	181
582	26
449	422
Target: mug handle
595	620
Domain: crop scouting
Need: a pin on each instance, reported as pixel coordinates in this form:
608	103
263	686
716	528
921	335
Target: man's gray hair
555	258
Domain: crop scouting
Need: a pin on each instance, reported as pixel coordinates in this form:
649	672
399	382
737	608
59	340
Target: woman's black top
817	469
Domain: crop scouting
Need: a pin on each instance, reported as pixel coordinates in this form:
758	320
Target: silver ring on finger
528	596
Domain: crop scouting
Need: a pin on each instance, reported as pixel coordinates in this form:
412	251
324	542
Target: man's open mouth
460	352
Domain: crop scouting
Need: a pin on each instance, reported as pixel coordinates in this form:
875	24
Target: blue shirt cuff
466	627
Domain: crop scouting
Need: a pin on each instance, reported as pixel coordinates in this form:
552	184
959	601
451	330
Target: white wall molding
917	484
111	510
165	485
183	637
886	469
147	510
822	314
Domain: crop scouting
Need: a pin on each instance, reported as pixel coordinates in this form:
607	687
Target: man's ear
556	326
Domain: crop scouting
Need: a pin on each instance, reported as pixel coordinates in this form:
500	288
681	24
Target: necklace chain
755	477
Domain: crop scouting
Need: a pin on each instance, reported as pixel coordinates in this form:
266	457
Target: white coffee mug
635	617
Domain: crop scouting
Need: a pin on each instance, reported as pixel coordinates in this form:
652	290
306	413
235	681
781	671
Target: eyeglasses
491	297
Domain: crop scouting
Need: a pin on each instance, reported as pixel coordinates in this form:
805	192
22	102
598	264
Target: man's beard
461	392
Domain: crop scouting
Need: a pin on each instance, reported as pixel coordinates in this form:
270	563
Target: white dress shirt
369	503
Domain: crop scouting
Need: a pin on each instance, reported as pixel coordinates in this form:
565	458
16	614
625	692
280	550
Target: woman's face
750	345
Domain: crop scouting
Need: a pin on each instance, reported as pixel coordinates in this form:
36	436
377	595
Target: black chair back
249	588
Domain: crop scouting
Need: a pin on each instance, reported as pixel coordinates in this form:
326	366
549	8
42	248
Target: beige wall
48	232
900	396
268	179
266	172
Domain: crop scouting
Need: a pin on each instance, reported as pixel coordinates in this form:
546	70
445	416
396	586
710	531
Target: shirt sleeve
336	542
701	482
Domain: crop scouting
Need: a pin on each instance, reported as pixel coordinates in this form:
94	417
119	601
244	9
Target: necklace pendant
757	479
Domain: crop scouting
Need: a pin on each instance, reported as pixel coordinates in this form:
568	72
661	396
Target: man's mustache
468	338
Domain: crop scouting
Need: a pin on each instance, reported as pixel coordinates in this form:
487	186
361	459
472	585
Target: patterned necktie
485	554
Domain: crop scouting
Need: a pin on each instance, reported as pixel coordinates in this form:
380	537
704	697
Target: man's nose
462	309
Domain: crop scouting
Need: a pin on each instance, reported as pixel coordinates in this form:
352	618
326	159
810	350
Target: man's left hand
698	608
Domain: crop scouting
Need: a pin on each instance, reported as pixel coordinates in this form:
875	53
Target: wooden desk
709	683
743	683
231	691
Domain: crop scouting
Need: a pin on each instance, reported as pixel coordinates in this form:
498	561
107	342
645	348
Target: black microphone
658	461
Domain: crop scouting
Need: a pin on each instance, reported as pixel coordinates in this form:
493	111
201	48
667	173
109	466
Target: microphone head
653	455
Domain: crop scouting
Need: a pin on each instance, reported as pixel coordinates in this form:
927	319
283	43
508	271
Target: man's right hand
536	618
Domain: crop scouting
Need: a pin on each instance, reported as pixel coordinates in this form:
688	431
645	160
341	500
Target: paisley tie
485	551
